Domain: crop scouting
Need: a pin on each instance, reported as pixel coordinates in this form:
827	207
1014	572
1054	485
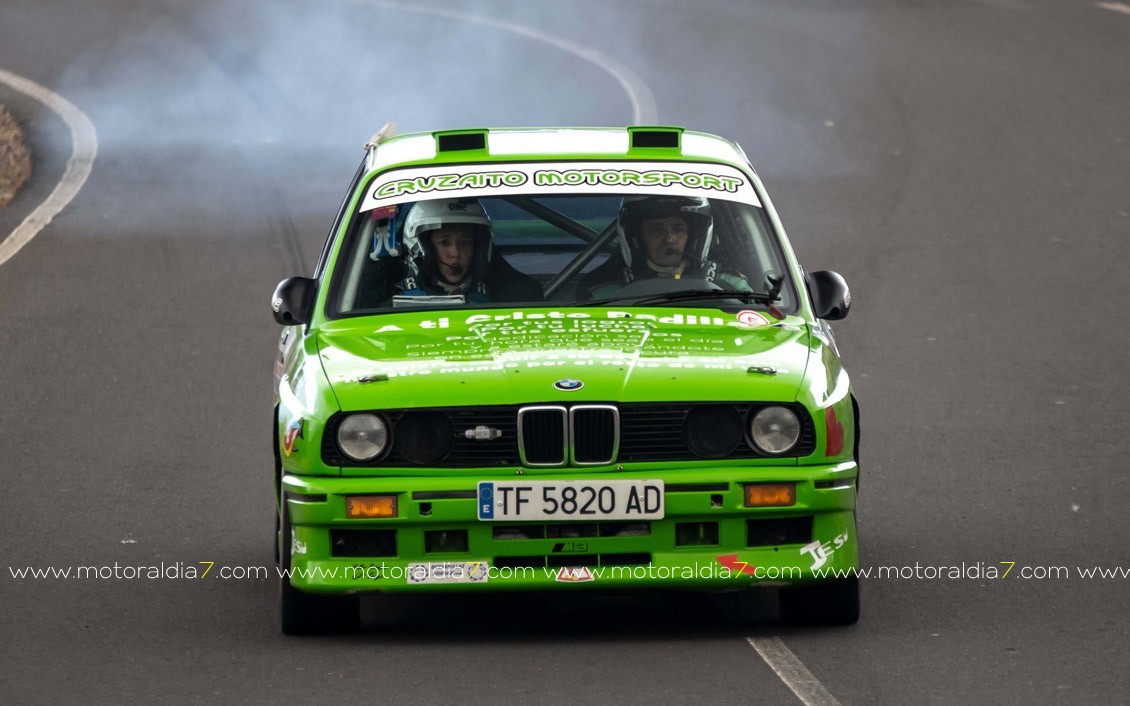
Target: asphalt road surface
965	164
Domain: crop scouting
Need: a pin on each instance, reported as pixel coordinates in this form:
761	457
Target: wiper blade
682	295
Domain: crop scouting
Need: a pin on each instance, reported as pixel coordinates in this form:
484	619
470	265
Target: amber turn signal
770	494
359	507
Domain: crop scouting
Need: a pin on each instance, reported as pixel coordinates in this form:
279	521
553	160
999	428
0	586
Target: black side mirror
293	301
830	294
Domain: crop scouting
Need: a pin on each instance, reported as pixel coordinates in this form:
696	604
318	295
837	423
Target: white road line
1114	7
643	102
85	147
792	671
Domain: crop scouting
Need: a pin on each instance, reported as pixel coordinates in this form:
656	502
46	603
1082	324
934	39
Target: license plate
501	501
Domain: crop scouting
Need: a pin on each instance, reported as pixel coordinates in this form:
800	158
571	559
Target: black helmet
636	209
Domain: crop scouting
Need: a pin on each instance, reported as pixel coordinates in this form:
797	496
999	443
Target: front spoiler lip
681	570
832	508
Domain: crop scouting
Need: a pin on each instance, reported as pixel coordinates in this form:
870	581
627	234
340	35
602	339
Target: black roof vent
460	141
664	138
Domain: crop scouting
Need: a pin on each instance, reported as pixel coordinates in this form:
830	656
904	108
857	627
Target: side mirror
293	301
830	294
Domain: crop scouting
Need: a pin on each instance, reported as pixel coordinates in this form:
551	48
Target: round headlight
362	437
424	438
713	432
775	430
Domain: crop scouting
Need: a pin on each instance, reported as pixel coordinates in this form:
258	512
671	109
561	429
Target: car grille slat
595	434
543	435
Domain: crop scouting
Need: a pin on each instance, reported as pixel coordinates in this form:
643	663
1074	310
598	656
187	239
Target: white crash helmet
427	216
635	209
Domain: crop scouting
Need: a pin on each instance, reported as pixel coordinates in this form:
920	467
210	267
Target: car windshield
576	243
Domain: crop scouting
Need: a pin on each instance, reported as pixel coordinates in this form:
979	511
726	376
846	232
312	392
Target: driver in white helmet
661	237
452	251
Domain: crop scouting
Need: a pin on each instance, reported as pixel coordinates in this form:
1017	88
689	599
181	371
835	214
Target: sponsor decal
293	434
752	319
730	561
679	179
609	319
822	551
449	182
633	177
436	572
571	341
574	574
297	546
569	384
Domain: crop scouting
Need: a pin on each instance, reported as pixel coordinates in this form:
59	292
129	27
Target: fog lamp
770	494
360	507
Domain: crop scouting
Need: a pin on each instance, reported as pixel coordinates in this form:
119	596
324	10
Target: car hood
493	357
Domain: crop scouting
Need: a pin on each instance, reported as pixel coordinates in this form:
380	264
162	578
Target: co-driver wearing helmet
452	251
661	237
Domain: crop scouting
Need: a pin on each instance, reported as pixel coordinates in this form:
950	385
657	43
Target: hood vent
461	141
662	138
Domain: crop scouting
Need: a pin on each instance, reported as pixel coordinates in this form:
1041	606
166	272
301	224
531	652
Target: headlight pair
423	438
715	431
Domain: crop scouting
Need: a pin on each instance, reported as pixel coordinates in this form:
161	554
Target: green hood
504	357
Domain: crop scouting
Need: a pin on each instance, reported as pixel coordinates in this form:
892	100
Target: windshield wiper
769	297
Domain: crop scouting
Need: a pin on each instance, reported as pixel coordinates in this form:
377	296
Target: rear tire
302	613
830	603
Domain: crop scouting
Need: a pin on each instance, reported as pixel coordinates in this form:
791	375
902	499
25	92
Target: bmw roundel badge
568	384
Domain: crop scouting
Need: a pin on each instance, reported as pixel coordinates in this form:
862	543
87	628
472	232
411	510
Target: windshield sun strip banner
562	178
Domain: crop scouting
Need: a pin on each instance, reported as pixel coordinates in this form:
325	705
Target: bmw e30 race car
561	359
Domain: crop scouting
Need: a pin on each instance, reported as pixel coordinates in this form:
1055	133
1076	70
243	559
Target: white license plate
501	501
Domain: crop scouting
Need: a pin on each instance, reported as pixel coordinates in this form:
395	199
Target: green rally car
561	359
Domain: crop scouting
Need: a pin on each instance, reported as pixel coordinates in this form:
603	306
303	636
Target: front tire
830	603
302	613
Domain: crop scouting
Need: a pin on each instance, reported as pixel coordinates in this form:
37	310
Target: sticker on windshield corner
752	319
434	572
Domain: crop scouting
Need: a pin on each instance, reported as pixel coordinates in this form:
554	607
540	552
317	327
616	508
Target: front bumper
707	540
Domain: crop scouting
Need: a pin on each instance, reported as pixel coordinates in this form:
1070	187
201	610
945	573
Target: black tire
831	603
303	613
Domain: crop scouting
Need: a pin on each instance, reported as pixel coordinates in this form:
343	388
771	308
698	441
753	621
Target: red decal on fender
835	445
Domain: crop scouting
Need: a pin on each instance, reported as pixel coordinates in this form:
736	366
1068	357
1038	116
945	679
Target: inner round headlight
775	430
713	431
424	438
362	437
